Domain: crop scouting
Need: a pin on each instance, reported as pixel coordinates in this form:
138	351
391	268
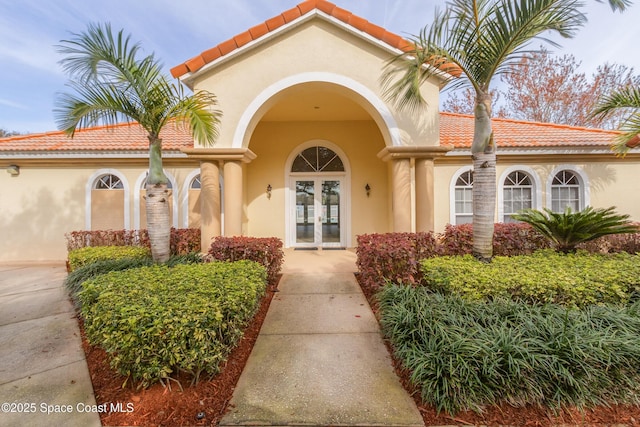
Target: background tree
482	39
546	88
114	83
5	133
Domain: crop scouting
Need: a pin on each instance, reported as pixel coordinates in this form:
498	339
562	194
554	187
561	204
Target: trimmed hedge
88	255
182	240
393	257
543	277
467	355
156	321
266	251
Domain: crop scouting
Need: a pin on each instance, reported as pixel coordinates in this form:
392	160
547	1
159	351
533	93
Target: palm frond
624	99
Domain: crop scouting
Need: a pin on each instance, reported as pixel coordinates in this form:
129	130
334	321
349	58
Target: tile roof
457	130
121	137
266	27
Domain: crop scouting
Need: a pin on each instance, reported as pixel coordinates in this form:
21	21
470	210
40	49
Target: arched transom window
317	159
518	194
108	182
195	183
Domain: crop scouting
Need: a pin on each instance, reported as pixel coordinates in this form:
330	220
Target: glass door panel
330	211
305	212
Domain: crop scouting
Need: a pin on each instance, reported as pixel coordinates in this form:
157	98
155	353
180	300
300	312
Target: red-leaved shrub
263	250
393	257
183	240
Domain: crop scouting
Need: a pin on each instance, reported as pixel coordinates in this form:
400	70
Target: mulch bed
206	403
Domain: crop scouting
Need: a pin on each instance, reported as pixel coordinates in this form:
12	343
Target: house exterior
309	151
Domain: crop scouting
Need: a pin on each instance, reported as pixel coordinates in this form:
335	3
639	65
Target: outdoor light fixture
13	170
269	191
367	188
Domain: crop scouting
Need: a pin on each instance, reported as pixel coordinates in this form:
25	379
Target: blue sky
176	31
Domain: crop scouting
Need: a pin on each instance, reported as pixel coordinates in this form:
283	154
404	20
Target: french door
319	206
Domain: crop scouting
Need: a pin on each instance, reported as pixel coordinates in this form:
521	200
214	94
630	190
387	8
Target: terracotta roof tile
211	54
243	38
457	130
290	15
121	137
275	22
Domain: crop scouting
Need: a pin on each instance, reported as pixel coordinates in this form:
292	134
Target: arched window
195	183
107	201
566	191
518	194
317	159
463	198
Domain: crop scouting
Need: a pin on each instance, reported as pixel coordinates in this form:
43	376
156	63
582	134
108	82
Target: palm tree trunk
157	204
484	180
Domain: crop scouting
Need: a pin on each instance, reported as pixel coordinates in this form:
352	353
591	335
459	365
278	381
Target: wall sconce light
13	170
367	188
269	188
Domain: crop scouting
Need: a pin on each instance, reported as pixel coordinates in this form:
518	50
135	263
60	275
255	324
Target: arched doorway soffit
345	86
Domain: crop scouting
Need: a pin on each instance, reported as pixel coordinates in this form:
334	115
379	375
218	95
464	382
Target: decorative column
425	216
209	202
232	159
403	176
232	198
401	194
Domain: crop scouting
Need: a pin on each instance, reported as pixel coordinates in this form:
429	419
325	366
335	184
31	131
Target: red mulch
159	406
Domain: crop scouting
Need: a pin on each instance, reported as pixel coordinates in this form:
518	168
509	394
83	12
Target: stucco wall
274	142
40	205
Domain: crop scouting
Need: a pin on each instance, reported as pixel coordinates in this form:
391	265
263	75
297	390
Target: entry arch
368	100
343	177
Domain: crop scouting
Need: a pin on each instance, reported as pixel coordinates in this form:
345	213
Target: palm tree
479	39
112	84
624	99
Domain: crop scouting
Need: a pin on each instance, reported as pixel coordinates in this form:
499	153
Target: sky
31	77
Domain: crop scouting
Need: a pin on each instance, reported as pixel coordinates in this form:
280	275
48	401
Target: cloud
12	104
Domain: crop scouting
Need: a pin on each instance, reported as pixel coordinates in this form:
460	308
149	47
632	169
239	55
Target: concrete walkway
44	380
319	359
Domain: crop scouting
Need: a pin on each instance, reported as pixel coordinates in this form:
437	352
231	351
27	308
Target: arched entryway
318	196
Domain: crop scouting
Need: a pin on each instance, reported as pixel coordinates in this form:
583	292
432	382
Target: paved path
42	365
320	359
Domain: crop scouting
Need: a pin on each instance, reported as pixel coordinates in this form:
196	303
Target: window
566	191
463	194
317	159
195	183
517	194
108	182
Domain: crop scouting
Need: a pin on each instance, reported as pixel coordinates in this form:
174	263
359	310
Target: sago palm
624	99
114	83
480	39
568	229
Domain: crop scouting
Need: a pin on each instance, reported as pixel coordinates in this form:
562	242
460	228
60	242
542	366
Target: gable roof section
125	137
457	130
302	10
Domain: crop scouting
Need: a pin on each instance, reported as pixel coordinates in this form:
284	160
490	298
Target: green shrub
155	321
88	255
469	354
545	276
74	280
